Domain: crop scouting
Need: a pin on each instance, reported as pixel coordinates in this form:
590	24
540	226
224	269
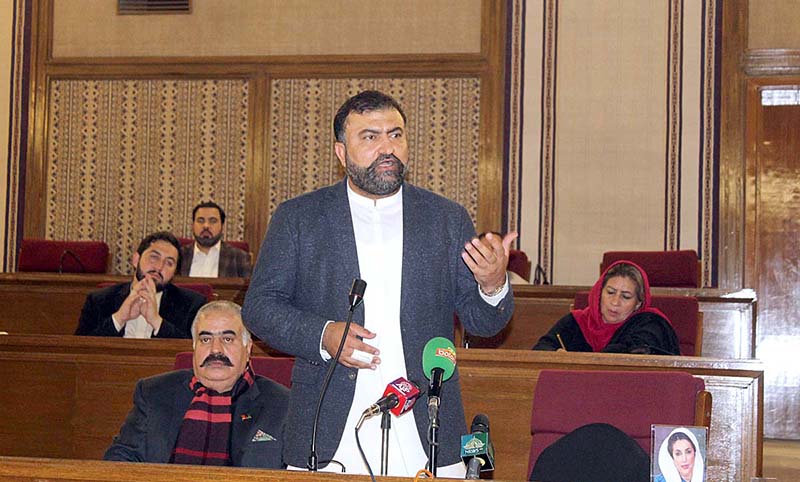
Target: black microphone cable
356	297
363	455
73	256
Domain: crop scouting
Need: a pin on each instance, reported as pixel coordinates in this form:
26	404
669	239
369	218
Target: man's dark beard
217	357
159	284
208	242
369	180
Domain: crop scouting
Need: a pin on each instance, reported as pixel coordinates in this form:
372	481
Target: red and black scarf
204	438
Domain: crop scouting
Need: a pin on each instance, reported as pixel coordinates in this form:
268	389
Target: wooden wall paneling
772	247
731	242
34	215
257	188
491	150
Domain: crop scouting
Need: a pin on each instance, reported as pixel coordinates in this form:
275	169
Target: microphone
356	296
477	450
438	364
398	398
73	256
357	293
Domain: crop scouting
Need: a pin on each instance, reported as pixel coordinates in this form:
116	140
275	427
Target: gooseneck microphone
356	296
477	450
438	364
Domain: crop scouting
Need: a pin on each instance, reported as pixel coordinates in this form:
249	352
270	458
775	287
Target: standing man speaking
418	253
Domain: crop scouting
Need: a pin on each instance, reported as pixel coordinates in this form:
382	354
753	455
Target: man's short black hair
209	204
366	101
161	236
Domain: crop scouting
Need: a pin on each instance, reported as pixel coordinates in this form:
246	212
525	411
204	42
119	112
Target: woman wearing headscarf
679	459
619	318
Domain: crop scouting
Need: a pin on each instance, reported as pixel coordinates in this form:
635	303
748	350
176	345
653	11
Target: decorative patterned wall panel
129	157
443	120
613	131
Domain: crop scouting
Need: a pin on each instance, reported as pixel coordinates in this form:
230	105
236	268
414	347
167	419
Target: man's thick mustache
385	157
217	357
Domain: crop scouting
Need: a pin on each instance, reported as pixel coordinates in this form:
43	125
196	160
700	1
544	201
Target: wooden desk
37	469
68	404
729	318
49	303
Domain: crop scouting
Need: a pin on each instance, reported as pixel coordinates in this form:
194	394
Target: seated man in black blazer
219	413
150	305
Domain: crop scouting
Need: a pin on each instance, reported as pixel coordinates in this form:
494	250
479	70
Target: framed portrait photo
679	453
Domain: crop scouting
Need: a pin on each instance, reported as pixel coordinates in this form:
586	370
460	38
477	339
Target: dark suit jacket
302	278
233	262
160	402
178	308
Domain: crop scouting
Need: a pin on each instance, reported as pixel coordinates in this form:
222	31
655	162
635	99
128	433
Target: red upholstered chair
684	313
278	369
63	256
519	263
671	269
204	289
629	400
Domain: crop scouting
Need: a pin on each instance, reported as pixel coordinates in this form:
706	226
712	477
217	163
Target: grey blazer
160	402
302	278
233	262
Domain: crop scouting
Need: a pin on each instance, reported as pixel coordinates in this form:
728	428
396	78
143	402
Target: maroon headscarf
596	331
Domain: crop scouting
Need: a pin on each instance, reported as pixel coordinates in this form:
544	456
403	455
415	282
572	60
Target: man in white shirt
209	256
149	306
421	260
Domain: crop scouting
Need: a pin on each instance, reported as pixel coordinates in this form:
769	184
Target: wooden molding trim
770	62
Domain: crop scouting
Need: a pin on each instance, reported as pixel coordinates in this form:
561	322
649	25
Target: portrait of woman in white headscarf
680	458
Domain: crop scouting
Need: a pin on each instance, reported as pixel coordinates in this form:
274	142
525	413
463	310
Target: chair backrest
63	256
519	263
632	401
204	289
684	313
278	369
671	269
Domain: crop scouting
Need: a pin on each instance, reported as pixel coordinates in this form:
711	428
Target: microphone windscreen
407	393
480	423
439	352
358	288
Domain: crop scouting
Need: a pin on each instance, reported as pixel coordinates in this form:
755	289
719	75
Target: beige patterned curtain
129	157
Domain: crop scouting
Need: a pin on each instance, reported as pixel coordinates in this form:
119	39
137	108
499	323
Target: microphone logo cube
478	445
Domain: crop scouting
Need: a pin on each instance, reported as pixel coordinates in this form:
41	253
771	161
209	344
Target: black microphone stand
356	297
386	424
433	418
433	444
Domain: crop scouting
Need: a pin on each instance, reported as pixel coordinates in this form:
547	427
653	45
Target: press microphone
74	257
438	364
398	398
477	450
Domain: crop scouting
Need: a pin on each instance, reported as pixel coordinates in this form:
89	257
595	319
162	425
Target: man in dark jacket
218	413
150	305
